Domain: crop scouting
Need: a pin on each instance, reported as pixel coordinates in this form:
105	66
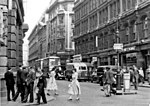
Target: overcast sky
33	11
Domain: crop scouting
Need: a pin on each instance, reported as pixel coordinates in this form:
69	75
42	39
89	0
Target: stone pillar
3	49
108	12
12	35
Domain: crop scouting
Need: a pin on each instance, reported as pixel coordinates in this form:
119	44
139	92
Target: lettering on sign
129	49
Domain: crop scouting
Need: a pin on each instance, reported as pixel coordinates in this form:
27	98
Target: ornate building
96	24
60	29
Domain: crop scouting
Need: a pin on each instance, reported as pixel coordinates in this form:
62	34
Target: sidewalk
4	102
146	84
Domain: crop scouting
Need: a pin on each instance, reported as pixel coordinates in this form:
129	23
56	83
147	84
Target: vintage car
100	73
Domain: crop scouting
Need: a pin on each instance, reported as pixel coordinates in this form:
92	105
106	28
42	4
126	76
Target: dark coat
42	83
19	82
24	75
9	77
31	77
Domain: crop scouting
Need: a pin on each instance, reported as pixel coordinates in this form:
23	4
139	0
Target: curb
131	92
18	103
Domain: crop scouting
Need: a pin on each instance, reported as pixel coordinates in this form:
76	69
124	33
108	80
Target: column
121	8
108	12
148	18
3	48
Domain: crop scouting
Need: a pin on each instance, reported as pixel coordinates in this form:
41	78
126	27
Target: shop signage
118	46
129	49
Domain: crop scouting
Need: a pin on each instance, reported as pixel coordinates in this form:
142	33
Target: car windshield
69	67
82	68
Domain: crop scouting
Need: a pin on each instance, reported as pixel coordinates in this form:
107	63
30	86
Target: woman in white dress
74	87
51	85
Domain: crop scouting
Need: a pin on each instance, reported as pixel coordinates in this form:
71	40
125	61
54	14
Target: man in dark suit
9	77
19	85
30	83
41	85
24	75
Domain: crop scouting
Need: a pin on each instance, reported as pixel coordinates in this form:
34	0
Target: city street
92	96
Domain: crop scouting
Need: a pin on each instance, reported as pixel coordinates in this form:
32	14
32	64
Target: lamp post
118	65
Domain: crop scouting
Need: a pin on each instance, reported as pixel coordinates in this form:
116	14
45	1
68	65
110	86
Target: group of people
136	77
24	83
32	80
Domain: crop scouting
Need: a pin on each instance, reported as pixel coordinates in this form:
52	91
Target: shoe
77	99
9	100
48	94
45	102
56	94
23	102
69	99
38	103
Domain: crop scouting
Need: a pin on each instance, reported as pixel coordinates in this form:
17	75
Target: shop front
129	56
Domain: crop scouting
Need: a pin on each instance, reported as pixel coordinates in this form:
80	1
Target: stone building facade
60	29
33	46
96	24
12	32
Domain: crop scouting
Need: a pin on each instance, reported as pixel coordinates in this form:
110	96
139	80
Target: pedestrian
110	80
52	85
135	77
41	85
74	86
148	74
38	74
141	75
24	75
30	84
10	82
19	85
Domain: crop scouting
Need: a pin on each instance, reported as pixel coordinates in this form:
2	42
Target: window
146	28
127	34
61	19
134	31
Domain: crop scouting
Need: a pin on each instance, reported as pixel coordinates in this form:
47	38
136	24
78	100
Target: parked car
60	72
100	73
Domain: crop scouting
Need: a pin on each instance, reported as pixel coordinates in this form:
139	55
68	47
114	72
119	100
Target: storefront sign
118	46
129	49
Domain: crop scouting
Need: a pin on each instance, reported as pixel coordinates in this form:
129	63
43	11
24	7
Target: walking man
24	75
135	77
110	79
9	77
41	85
19	85
30	83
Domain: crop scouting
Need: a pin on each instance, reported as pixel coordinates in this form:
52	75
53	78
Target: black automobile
100	73
60	72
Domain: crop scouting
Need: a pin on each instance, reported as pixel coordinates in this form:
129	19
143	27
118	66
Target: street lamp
118	65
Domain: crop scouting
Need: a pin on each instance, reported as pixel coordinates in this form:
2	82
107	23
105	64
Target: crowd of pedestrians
35	80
